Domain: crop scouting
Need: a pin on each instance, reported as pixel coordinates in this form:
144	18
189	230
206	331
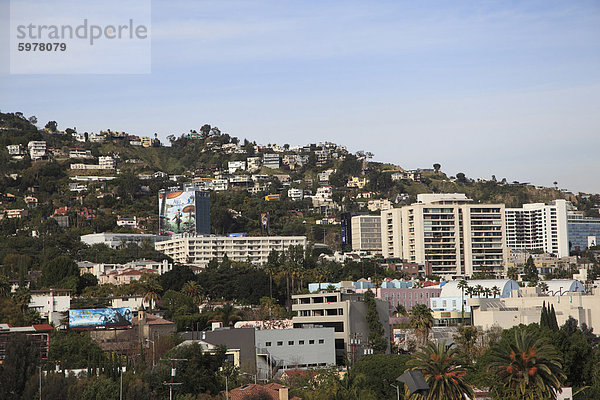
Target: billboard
100	317
264	222
184	212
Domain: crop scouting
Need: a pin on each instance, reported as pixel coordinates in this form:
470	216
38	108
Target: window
268	344
279	343
290	343
311	341
321	341
300	342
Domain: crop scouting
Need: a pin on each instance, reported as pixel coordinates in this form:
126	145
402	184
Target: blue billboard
100	317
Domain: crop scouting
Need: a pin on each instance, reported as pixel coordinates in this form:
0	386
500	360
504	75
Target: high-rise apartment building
456	236
538	227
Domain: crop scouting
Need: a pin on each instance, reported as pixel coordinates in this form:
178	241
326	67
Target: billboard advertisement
184	212
264	222
100	317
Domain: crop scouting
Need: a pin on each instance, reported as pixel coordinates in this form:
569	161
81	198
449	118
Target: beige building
526	308
451	232
366	233
346	313
199	250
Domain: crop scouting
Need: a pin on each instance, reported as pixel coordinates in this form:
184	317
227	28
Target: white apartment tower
455	235
538	227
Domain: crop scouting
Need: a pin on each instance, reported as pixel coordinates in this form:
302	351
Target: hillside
134	189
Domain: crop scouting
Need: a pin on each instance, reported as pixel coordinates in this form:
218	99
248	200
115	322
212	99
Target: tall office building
538	227
366	233
449	231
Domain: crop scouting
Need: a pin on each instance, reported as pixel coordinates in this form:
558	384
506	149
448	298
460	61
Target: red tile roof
43	327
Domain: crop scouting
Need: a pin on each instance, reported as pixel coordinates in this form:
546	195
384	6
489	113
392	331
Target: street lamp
397	390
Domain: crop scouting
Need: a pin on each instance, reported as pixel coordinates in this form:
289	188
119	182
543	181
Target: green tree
228	314
443	372
421	320
151	288
4	286
59	272
512	273
19	364
526	367
379	368
377	339
530	272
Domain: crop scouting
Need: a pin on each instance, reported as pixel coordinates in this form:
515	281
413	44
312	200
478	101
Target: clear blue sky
482	87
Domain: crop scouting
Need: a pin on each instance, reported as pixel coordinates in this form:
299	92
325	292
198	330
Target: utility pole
40	368
173	372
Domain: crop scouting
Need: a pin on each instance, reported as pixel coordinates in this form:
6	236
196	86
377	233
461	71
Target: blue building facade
582	231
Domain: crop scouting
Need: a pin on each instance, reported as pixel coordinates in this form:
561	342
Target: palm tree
151	289
229	315
512	273
443	372
462	285
478	290
193	290
400	310
543	287
528	367
421	320
22	297
470	291
496	291
487	292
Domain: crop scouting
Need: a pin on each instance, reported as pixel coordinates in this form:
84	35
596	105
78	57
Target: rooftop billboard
100	317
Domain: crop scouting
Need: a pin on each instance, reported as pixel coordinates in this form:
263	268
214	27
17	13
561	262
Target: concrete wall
295	348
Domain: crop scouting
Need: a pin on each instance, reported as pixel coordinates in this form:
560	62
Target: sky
504	88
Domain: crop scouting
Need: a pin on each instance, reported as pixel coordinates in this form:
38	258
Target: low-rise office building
345	312
293	348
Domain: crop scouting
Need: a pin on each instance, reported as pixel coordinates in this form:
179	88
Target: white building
99	269
451	296
123	221
272	160
366	233
49	302
15	149
448	230
295	194
80	153
107	162
253	163
379	205
527	307
37	149
538	227
199	250
233	166
116	240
